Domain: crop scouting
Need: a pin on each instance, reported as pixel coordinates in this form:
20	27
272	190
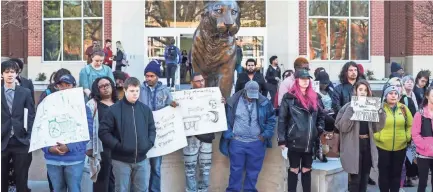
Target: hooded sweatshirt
156	98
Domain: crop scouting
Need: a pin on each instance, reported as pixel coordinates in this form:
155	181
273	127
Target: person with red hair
300	123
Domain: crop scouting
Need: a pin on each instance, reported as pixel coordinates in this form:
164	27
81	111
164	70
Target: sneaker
401	190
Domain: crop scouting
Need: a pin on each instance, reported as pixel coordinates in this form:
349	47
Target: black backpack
172	53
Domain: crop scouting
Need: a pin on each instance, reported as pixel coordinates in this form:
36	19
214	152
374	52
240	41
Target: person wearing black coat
128	130
250	74
299	126
273	77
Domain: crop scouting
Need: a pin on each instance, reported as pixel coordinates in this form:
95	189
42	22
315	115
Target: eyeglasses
104	86
198	81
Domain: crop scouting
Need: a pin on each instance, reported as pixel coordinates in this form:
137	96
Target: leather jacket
299	128
342	95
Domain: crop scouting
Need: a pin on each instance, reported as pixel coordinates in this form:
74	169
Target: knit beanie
153	67
395	67
389	89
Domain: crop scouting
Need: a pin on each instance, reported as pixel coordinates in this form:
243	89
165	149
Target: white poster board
365	108
60	117
170	135
202	110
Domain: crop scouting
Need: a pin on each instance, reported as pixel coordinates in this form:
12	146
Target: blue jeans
171	74
246	156
131	176
155	174
66	177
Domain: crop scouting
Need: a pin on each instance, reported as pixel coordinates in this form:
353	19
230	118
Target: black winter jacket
342	95
243	79
298	128
271	73
128	130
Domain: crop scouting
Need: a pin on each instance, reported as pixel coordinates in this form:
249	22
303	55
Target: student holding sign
392	140
157	96
422	134
357	148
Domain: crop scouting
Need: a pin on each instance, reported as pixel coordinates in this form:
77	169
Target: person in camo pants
198	146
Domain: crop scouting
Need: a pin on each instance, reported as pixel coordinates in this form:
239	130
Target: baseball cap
252	89
68	78
302	73
323	77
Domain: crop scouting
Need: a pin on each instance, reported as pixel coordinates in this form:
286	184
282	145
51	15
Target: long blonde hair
119	46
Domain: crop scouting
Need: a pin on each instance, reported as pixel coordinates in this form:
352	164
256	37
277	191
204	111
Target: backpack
172	53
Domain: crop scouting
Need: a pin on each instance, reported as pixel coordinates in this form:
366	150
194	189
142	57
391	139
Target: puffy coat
397	131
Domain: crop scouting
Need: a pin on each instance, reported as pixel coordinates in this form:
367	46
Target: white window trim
61	19
329	17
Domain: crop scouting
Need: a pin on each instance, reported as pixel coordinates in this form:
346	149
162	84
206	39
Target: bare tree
14	14
424	14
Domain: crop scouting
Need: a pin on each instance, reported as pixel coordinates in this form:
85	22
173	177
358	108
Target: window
252	48
70	27
338	30
187	14
155	49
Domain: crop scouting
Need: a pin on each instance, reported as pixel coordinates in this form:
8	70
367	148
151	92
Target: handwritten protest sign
316	86
365	108
61	117
170	135
202	110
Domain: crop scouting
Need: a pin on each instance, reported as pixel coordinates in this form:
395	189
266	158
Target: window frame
175	17
329	17
61	19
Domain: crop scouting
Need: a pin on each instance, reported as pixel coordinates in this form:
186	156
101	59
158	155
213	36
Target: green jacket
397	131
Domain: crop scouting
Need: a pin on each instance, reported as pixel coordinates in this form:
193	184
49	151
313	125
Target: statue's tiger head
222	18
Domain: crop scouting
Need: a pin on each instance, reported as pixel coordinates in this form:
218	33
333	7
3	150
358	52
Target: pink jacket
424	145
285	86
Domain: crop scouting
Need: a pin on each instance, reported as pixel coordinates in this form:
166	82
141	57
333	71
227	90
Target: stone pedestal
327	177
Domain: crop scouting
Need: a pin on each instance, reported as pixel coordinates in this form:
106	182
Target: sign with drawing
60	117
170	135
365	108
202	110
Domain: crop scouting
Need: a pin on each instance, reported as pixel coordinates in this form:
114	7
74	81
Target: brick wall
303	27
14	33
376	34
107	19
416	43
35	28
395	32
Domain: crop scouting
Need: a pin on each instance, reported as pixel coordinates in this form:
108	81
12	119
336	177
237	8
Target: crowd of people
122	129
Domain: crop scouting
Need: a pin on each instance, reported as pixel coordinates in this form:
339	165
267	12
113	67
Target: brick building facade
395	34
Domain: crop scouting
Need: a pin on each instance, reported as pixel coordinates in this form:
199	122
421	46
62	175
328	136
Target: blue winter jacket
77	151
267	120
156	100
167	58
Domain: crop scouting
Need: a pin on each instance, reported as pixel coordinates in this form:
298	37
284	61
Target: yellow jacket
395	136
